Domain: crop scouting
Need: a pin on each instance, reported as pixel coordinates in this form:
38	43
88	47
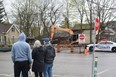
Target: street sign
82	38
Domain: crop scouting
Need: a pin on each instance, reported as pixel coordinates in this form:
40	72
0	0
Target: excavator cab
74	38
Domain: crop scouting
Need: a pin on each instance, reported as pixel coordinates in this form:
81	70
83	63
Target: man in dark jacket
48	60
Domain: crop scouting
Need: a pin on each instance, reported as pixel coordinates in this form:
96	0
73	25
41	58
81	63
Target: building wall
87	34
12	36
108	36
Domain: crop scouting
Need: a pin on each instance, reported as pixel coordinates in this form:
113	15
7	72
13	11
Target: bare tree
103	9
79	6
105	12
89	16
66	14
25	15
48	14
55	13
42	13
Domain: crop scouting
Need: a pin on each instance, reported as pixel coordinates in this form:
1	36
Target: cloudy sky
8	4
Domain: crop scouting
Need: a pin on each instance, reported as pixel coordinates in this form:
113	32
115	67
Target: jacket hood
22	37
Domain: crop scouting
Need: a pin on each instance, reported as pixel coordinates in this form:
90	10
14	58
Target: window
13	29
0	38
13	39
102	43
109	43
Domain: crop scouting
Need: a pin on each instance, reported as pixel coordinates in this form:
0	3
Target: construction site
67	39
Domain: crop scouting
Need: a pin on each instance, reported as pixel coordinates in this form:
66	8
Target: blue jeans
48	70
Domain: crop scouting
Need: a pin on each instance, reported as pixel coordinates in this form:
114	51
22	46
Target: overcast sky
8	4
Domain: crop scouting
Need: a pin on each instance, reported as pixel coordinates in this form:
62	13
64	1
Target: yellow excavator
72	39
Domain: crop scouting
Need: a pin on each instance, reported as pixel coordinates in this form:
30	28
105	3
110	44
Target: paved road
69	65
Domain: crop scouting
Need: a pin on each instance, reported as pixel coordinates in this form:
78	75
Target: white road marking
11	75
8	75
64	76
103	71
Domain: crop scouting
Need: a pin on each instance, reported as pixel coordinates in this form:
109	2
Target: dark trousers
21	66
36	74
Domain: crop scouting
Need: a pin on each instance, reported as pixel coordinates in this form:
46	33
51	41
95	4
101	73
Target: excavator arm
52	32
61	29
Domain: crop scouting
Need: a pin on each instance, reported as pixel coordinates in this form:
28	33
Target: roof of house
112	24
84	27
108	31
4	27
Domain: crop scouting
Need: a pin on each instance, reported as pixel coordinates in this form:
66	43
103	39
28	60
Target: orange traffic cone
86	52
71	48
58	48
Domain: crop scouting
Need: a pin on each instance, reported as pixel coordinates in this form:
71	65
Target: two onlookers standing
43	57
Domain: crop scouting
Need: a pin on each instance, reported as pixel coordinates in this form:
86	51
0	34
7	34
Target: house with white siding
8	34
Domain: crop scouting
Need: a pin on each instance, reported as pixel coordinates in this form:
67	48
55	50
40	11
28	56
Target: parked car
103	46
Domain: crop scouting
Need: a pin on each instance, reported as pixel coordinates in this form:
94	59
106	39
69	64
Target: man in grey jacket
49	56
21	56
